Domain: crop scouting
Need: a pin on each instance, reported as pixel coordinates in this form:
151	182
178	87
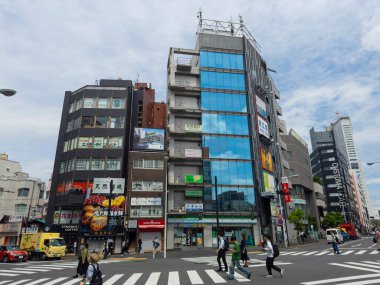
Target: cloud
373	181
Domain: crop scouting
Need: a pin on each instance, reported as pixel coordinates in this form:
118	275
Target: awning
151	226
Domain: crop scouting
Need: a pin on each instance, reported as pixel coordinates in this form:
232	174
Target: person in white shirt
221	253
267	246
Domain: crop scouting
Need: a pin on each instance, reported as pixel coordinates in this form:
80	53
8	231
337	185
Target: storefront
70	233
9	233
188	235
148	230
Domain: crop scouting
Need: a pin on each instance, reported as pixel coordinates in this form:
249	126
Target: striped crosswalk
327	252
206	276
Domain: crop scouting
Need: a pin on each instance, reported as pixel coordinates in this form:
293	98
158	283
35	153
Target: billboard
261	107
198	179
149	139
269	186
194	207
266	160
142	201
103	185
263	127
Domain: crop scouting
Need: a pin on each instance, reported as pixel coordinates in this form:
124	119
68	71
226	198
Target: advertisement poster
65	217
269	186
141	201
263	127
194	207
103	185
194	179
149	139
261	107
95	213
266	160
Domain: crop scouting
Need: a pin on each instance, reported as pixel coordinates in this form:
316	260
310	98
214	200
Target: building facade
223	165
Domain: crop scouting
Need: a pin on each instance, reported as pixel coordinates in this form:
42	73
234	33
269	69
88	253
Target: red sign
151	224
287	198
285	187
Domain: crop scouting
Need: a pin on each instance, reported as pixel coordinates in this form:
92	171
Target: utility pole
108	219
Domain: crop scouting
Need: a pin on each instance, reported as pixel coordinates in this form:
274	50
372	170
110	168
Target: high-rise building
224	162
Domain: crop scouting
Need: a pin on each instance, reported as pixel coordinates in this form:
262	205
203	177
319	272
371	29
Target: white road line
322	253
113	279
56	266
310	253
21	281
215	276
8	274
35	270
38	281
299	253
355	267
374	281
374	252
371	262
73	281
173	278
133	279
285	253
56	281
15	271
153	278
364	265
328	281
241	278
5	281
41	267
194	277
361	252
347	252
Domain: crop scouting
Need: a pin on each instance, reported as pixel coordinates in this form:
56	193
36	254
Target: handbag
374	239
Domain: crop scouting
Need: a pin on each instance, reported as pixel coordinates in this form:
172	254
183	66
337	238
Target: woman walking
82	261
268	247
243	250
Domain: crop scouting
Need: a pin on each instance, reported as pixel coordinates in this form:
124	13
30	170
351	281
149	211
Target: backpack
276	251
97	276
374	239
226	245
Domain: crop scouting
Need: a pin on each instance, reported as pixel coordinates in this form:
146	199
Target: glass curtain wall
225	130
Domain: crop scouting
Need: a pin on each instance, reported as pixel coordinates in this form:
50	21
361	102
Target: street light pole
108	219
166	205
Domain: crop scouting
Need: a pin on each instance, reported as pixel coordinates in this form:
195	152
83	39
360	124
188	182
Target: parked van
336	232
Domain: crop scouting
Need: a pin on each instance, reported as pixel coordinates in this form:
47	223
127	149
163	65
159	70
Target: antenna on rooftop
199	16
138	77
231	26
241	21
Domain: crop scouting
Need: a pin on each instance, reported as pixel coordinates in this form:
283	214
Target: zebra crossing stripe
355	267
365	265
322	253
310	253
173	278
194	277
36	270
299	253
8	274
42	267
361	252
71	282
329	281
38	281
371	262
153	278
285	253
113	279
5	281
56	281
133	279
241	278
21	281
374	252
15	271
347	252
365	282
215	276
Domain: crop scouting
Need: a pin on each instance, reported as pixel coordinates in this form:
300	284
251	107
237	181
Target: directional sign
280	222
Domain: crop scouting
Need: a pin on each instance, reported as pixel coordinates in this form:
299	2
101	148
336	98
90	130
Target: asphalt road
358	264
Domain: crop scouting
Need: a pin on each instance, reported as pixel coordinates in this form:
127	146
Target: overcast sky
326	53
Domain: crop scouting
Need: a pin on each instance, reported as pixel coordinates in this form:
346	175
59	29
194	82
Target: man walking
235	260
268	247
378	239
334	242
221	252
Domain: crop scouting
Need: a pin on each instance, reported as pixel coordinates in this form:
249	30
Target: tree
317	179
313	221
296	218
332	220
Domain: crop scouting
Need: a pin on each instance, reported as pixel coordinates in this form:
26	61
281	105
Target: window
89	102
66	146
101	122
113	164
85	142
103	103
147	186
115	142
62	167
23	192
42	194
148	164
117	122
73	143
225	124
229	102
20	208
87	122
228	147
76	123
146	211
117	103
70	126
221	60
100	142
97	164
82	164
221	80
70	165
1	192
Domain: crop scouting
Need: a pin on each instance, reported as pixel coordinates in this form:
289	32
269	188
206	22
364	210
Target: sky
326	54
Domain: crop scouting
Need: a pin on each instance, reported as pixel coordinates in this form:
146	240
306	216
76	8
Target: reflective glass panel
222	60
225	124
222	80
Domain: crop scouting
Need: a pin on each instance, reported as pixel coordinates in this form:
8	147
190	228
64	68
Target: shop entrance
189	237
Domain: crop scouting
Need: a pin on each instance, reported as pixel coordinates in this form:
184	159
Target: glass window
146	211
232	172
138	163
70	165
115	142
97	164
113	163
70	125
101	122
117	122
99	142
23	192
79	104
87	122
221	80
73	143
82	164
117	103
89	103
62	167
221	60
71	108
225	124
20	208
228	147
85	142
76	123
103	103
66	146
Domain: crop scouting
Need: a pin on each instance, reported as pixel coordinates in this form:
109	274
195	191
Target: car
337	232
9	253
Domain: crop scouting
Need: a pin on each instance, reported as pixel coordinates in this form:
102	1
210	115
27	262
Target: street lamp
8	92
372	163
283	210
166	205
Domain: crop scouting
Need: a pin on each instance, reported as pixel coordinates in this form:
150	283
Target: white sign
15	219
65	217
103	185
132	224
76	216
261	107
152	201
196	153
194	207
263	127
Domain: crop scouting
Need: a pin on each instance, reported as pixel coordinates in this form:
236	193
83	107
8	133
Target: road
358	264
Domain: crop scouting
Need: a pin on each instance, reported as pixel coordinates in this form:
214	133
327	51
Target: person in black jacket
221	253
243	250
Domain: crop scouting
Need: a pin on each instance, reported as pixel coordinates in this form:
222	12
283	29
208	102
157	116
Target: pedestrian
108	250
82	261
75	247
243	250
334	242
156	244
221	252
125	246
139	245
378	239
93	274
268	247
235	260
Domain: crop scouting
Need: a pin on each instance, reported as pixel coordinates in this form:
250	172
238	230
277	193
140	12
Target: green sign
194	193
194	178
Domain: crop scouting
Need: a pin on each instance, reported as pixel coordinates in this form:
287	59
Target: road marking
374	252
133	279
38	270
194	277
71	282
153	278
15	271
8	274
371	262
38	281
347	252
241	278
286	253
56	281
42	267
322	253
375	281
21	281
357	245
113	279
310	253
355	267
328	281
364	265
6	281
57	266
361	252
215	276
173	278
299	253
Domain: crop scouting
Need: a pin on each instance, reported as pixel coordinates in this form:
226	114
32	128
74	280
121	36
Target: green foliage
313	221
376	223
317	179
332	220
296	218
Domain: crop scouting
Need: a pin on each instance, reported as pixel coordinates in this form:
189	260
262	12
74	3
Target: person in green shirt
235	260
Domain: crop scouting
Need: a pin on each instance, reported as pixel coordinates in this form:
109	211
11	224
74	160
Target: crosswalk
327	252
206	276
34	268
372	277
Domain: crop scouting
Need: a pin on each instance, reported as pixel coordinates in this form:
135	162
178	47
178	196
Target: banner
148	139
263	127
266	160
103	185
269	186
